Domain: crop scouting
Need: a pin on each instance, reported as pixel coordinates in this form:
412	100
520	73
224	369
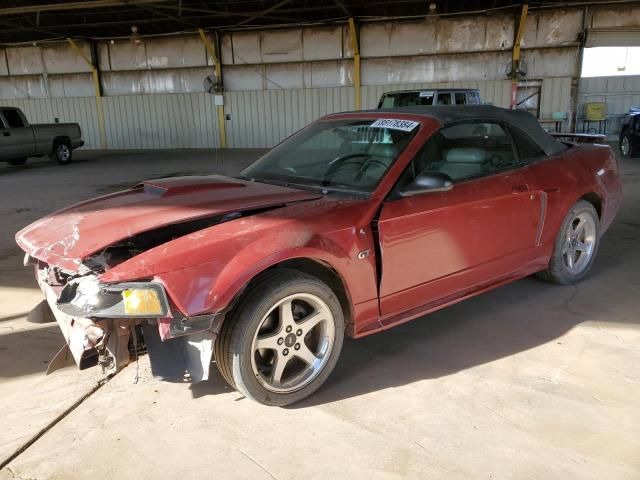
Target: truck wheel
61	153
627	146
17	161
576	246
282	342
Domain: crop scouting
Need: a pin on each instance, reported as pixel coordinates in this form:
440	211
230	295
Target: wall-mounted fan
212	85
518	70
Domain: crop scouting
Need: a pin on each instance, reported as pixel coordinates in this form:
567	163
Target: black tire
558	271
61	152
234	346
631	148
16	162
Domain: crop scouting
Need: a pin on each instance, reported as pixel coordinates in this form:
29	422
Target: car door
16	137
441	245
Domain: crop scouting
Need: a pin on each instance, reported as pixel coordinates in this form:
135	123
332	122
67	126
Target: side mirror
427	182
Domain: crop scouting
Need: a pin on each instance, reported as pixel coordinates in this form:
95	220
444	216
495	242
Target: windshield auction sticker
404	125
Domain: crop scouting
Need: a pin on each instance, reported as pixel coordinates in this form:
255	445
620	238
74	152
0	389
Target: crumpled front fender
203	271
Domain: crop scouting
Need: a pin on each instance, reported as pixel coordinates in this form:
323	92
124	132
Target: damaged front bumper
180	348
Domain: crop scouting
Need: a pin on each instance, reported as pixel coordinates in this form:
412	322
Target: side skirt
422	310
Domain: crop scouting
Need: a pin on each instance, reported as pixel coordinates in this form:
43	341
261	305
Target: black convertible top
449	115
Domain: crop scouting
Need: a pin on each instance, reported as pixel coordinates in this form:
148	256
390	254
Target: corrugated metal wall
619	93
555	96
181	120
261	118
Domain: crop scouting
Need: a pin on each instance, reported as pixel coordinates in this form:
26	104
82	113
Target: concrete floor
529	381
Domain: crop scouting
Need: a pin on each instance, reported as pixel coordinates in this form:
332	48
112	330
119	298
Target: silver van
437	96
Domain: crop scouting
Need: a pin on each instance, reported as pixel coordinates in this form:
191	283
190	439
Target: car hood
66	237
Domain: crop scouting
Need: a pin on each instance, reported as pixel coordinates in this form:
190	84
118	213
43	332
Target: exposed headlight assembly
87	297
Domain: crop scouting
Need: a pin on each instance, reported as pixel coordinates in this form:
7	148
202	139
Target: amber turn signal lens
141	301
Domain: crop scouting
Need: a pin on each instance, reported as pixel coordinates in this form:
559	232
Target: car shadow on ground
38	164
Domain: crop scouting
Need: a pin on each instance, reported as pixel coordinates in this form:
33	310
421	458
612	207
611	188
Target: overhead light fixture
432	8
135	36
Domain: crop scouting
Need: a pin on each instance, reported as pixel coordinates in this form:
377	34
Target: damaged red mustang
357	223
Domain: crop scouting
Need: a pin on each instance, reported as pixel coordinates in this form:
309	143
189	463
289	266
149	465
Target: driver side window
465	151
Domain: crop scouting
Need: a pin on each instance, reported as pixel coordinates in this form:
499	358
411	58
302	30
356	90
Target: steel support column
355	45
98	93
215	57
515	57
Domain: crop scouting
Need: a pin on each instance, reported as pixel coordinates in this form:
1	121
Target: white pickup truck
19	140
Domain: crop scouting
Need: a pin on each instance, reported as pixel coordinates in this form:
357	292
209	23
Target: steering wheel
370	163
337	163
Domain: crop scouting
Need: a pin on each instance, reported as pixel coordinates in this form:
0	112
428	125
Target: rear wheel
17	161
576	246
61	153
282	342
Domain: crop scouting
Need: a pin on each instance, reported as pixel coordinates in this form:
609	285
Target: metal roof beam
263	13
73	6
342	7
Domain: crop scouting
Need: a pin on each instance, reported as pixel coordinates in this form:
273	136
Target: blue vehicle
630	133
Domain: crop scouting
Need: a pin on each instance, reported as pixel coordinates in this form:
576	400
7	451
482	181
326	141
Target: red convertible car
357	223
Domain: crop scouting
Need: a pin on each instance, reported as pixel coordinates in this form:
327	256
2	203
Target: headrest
466	155
387	150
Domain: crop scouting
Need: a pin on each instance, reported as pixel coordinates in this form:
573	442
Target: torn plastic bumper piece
181	349
81	334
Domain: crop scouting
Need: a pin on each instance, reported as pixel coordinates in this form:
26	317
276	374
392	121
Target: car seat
462	163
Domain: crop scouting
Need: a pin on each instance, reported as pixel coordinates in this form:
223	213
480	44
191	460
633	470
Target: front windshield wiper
324	189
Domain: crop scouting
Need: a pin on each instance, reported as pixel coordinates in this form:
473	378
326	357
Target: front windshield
336	154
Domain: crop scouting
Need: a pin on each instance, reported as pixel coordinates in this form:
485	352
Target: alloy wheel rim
63	152
579	243
292	343
624	146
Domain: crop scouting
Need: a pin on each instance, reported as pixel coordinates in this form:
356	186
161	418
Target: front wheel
576	246
627	146
61	153
282	342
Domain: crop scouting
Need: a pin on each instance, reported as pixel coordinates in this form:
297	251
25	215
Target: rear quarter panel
45	134
565	178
